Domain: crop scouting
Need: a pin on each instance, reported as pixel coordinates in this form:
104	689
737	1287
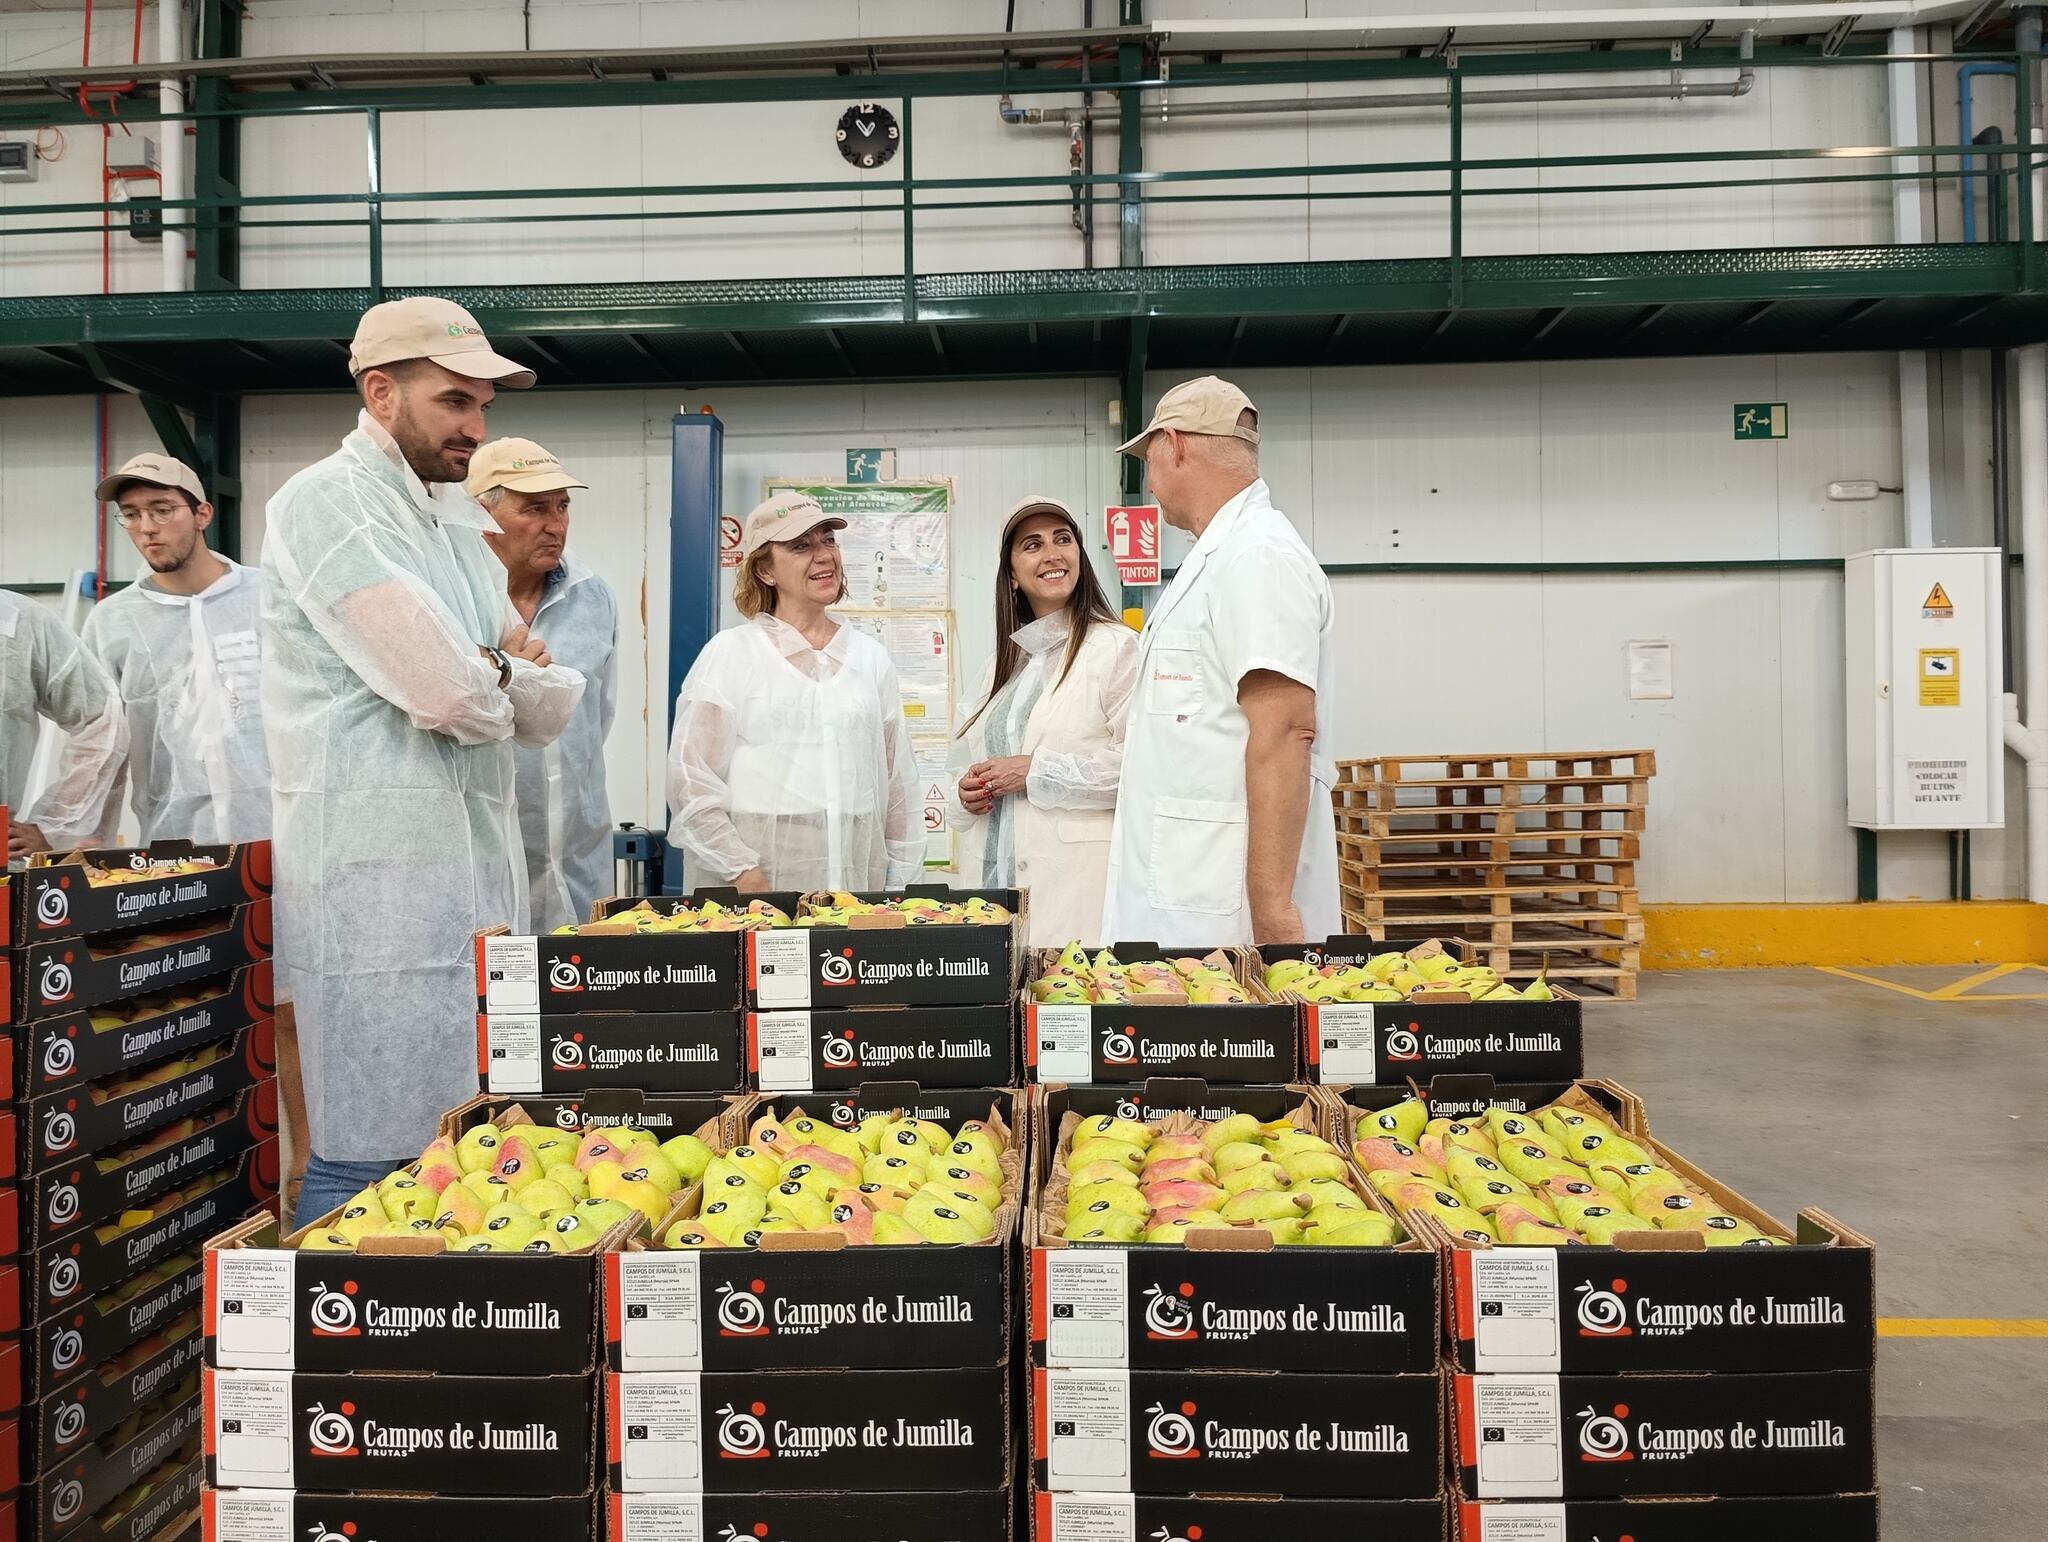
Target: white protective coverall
796	761
46	672
1054	838
565	812
395	822
189	673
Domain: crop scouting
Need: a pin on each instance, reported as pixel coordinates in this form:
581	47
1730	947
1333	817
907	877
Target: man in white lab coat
1224	827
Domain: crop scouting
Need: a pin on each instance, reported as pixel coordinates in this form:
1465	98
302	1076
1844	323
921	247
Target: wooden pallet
1609	967
1407	874
1557	765
1506	820
1401	847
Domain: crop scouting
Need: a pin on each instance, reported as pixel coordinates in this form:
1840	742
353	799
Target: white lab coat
1249	596
190	675
795	760
395	825
565	810
45	672
1054	838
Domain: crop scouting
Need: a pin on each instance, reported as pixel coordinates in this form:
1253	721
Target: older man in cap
396	679
565	813
1224	829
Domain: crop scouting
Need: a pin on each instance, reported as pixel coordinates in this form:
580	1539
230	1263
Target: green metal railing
1454	178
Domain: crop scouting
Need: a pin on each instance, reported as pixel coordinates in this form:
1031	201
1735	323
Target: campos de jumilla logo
835	968
741	1435
54	984
1118	1047
331	1432
565	975
53	907
740	1314
1171	1434
567	1054
1603	1437
1603	1314
1402	1044
1170	1315
333	1312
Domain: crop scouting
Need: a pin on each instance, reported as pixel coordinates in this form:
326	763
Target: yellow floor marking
1959	990
1962	1327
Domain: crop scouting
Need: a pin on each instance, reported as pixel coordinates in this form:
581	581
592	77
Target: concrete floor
1898	1116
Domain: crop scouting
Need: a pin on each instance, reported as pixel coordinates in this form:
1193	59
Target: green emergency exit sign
1762	420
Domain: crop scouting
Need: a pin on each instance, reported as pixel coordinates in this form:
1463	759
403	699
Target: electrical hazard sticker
1937	606
1941	676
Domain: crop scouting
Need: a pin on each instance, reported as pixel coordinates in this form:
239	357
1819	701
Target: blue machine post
696	474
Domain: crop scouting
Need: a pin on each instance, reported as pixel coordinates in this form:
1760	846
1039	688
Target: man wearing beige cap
1224	829
565	812
396	678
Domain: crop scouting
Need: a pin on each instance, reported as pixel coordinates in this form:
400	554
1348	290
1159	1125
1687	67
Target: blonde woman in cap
790	767
1035	766
396	680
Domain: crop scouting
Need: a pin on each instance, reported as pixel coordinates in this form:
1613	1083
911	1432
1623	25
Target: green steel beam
218	430
217	156
171	431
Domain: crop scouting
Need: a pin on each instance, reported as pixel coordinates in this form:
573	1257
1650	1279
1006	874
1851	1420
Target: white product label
1514	1310
1094	1518
660	1518
252	1430
1345	1036
661	1433
250	1517
782	1045
253	1309
1521	1436
660	1298
1086	1317
513	1061
1521	1523
782	968
1064	1034
511	974
1088	1429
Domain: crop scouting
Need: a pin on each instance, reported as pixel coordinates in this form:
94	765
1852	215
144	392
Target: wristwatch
503	660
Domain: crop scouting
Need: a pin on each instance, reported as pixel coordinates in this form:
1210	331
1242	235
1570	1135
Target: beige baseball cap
426	327
1037	503
783	518
1204	406
519	464
157	470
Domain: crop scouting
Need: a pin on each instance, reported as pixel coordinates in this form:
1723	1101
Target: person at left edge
396	677
565	813
46	672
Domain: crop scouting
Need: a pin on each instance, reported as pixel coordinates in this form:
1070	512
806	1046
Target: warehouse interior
1495	274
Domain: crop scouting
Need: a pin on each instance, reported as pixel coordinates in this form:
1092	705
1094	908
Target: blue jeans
330	1185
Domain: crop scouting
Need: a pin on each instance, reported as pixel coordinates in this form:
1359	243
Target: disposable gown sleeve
73	690
970	744
543	701
1089	780
903	819
699	765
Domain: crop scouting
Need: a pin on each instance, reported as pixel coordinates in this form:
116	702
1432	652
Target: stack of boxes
10	1219
145	1120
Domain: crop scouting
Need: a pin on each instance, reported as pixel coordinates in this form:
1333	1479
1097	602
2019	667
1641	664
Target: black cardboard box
1804	1517
56	897
662	1115
72	1343
1302	1434
1216	1518
91	1043
274	1308
94	1478
86	1262
54	977
1566	1437
489	1435
1225	1044
800	1431
63	1126
564	974
77	1194
163	1512
978	1516
56	1429
802	968
562	1055
1166	1307
267	1515
833	1051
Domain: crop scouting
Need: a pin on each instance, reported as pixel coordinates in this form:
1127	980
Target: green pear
979	1154
807	1209
517	1162
461	1209
572	1233
1262	1205
569	1177
546	1199
1601	1230
326	1240
770	1225
1288	1141
1303	1165
1333	1217
1108	1228
1239	1153
1538	991
510	1227
1104	1172
1368	1230
651	1166
1121	1153
1106	1199
1287	1231
1331	1193
1175	1231
604	1214
1131	1132
891	1230
1262	1175
406	1198
477	1149
893	1170
867	1135
364	1214
760	1166
687	1234
947	1218
813	1179
1229	1131
1404	1120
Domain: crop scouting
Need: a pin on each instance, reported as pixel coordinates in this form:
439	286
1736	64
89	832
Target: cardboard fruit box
63	1424
98	1475
1223	1300
732	1432
1217	1518
836	1050
63	1126
159	1507
85	893
882	960
84	1263
842	1516
119	1036
1162	1032
1440	1032
94	1332
1659	1301
63	976
10	1454
269	1515
808	1300
563	1055
1809	1517
486	1435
